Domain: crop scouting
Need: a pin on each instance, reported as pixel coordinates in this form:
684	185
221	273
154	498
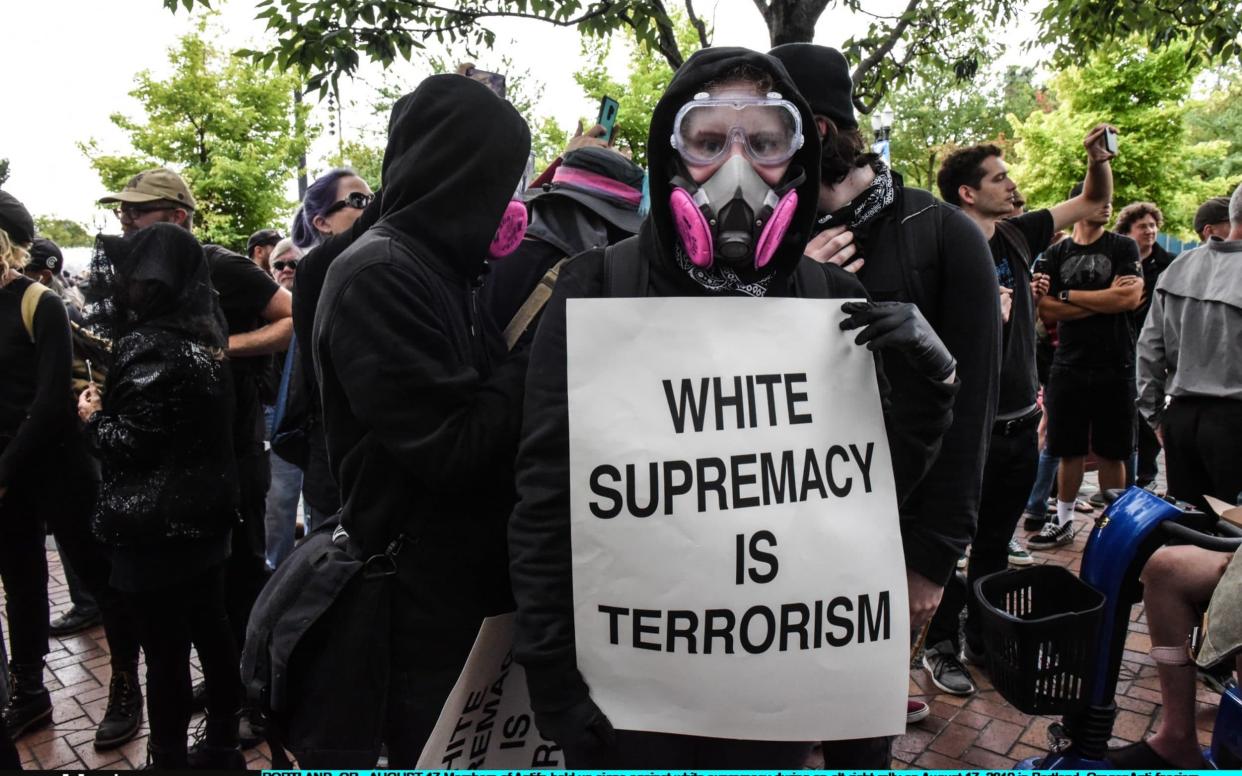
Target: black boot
30	706
160	759
124	713
218	750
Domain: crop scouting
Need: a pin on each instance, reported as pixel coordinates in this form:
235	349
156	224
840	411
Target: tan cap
160	183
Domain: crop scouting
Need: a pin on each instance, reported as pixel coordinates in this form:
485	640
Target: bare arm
1126	294
1097	190
1055	310
272	338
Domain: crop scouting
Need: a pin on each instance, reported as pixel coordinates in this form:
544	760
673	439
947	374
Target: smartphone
1040	267
493	81
608	109
1110	141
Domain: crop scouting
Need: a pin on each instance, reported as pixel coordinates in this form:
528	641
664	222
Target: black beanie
15	219
823	77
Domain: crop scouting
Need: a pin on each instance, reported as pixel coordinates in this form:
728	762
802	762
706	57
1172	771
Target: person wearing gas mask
421	404
734	177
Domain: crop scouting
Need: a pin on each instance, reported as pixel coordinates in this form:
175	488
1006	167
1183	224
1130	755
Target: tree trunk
793	21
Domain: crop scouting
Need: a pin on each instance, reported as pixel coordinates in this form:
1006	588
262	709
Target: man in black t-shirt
977	180
1097	283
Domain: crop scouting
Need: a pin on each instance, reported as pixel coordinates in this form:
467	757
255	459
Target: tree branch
876	56
699	26
764	8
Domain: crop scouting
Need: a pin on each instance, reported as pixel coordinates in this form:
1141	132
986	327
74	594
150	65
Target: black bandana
863	209
723	280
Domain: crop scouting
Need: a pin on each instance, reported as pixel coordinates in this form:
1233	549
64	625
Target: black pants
23	571
664	751
247	567
170	619
1008	477
429	650
91	561
1148	450
1203	449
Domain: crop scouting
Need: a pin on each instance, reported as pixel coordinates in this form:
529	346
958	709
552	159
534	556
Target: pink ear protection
510	232
696	232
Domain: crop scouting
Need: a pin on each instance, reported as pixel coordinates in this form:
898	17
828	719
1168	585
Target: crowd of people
390	379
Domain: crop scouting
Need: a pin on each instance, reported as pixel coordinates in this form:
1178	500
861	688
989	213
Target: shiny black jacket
164	441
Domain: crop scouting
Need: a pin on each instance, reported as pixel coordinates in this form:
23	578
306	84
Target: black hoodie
539	542
421	405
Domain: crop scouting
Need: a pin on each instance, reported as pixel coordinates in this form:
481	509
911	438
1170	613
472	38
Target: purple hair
320	196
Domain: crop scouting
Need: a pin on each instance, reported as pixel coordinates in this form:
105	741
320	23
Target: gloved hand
900	326
582	731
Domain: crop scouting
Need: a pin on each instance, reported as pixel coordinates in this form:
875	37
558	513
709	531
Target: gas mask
510	232
734	216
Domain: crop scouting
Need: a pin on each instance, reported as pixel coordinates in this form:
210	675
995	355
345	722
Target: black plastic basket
1039	633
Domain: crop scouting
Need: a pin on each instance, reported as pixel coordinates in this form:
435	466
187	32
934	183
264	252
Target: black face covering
157	277
455	155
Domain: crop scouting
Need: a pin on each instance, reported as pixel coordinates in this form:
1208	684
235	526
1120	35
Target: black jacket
421	405
164	441
539	534
1156	263
928	252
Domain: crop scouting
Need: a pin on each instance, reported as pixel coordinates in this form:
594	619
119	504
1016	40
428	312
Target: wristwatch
1064	296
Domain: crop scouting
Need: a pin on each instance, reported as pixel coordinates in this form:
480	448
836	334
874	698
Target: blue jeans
283	499
1044	476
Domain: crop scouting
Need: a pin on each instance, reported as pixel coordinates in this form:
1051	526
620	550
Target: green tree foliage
4	171
224	124
1144	94
1209	30
366	154
938	113
647	76
1218	117
326	38
63	232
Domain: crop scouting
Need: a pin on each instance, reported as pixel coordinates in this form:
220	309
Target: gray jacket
1191	344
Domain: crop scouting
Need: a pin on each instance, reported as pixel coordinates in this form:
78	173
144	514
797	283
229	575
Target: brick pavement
981	731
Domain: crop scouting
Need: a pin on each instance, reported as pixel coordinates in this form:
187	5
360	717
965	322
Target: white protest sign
487	724
737	557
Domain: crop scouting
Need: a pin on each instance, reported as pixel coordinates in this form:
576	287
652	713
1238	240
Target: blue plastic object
1110	552
1227	732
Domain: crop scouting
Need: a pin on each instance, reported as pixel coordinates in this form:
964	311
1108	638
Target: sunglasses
280	265
132	211
355	199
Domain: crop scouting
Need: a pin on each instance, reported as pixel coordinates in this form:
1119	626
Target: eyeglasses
355	199
290	264
131	211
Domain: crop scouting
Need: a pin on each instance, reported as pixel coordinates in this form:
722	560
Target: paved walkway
978	732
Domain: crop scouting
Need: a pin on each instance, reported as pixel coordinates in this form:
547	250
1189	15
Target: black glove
900	326
581	730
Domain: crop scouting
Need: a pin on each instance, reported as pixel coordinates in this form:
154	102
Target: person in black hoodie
541	558
421	405
169	494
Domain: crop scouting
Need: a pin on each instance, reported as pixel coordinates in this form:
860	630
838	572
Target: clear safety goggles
769	128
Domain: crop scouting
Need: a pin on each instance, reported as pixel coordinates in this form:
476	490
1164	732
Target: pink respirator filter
510	232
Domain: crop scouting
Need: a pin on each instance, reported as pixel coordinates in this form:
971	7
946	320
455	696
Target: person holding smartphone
977	180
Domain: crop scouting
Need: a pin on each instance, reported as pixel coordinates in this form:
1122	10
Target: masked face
735	146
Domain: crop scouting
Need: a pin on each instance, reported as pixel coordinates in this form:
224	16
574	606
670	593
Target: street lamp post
882	126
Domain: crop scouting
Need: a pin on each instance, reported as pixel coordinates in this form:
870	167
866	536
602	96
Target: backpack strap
625	270
534	303
30	302
1015	238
